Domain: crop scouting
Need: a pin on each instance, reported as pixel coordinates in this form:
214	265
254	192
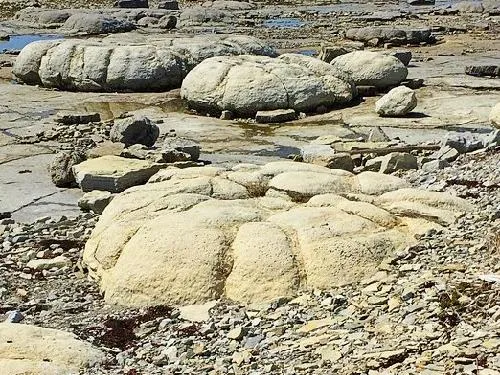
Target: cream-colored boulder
367	68
113	173
247	84
148	64
253	234
26	349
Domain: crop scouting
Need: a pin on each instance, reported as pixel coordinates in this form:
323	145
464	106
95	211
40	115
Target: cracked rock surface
254	234
247	84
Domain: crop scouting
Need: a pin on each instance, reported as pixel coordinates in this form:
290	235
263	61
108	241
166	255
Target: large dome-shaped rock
253	234
368	68
94	23
108	66
26	349
247	84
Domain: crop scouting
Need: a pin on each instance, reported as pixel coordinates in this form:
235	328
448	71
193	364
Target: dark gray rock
396	36
276	116
446	153
463	143
134	130
483	70
93	24
61	167
132	4
328	53
167	22
77	118
403	56
398	161
421	2
175	147
169	5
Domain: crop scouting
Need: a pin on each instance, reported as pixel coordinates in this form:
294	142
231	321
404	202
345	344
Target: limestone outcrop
255	233
108	65
247	84
367	68
26	349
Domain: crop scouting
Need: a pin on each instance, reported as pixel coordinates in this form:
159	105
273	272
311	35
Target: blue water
308	52
284	23
18	42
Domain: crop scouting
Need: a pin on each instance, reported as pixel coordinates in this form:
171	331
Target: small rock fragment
276	116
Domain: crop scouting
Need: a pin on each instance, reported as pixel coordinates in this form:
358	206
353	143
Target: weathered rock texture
368	68
247	84
398	102
390	34
495	116
254	233
105	66
26	349
93	24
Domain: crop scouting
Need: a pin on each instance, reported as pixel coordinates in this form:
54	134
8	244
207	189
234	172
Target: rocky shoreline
229	187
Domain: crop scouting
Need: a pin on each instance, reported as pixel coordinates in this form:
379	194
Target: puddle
284	23
308	52
18	42
111	110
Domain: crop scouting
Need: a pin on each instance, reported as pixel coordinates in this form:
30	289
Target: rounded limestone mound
110	65
247	84
26	349
367	68
255	233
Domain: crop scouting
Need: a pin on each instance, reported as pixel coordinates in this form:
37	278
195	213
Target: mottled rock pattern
196	234
88	66
248	84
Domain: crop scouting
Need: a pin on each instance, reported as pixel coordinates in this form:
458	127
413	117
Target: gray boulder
245	85
159	65
198	15
43	17
60	168
93	24
167	22
134	130
383	34
397	161
132	4
95	201
468	7
180	149
168	5
368	68
398	102
403	56
463	143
